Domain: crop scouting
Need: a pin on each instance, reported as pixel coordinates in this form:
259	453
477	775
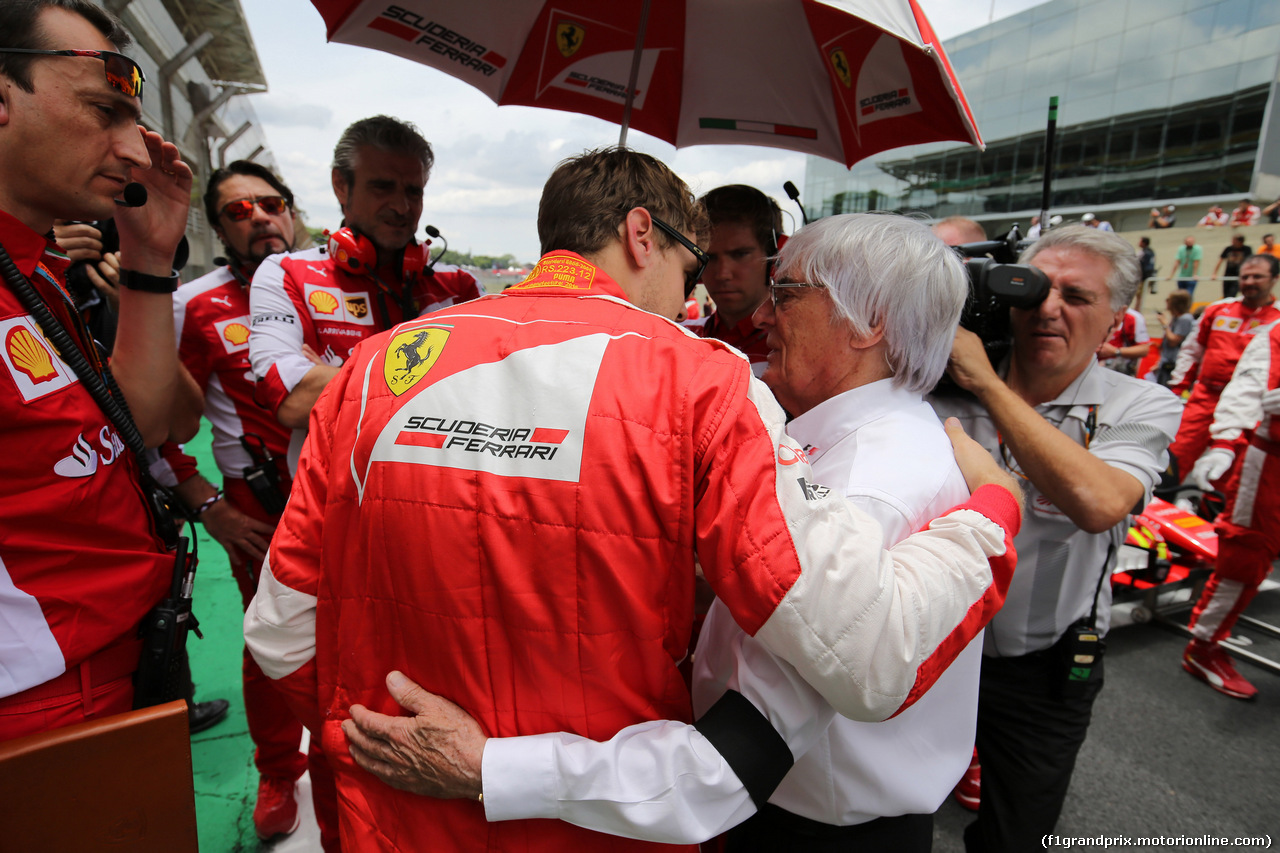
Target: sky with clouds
491	162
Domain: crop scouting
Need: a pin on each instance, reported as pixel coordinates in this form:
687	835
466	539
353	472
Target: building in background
199	59
1161	101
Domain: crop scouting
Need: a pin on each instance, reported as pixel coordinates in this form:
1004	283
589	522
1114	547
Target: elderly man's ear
873	337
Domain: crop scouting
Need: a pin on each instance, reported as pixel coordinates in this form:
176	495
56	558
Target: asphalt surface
1167	755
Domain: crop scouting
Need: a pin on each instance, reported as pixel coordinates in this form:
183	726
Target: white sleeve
1189	354
276	336
1140	333
659	781
1240	406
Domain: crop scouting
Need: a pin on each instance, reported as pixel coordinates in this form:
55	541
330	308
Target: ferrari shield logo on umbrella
841	65
569	38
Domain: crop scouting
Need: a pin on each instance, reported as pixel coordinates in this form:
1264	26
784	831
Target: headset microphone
135	195
434	233
794	195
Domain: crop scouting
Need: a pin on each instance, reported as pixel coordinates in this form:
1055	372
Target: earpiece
357	253
352	250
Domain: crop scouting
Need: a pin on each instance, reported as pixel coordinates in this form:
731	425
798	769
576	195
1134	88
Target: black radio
263	476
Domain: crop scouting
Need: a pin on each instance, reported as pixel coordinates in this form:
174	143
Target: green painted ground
222	757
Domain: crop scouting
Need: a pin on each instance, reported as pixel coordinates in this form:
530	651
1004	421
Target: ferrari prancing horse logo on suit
410	355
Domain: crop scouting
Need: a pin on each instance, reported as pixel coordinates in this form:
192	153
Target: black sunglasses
123	74
691	279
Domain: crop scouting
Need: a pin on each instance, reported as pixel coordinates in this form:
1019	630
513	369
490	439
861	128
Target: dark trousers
1028	735
774	829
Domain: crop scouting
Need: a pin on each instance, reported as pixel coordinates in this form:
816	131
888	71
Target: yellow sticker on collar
559	271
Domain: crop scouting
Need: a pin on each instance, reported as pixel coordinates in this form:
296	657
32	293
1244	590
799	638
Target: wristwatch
149	283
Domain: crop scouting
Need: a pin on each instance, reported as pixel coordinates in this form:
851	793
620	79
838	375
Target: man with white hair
859	324
1089	445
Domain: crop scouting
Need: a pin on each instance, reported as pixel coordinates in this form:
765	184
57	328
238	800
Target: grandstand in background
1161	101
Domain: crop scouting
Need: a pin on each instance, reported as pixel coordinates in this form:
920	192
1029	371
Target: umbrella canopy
842	79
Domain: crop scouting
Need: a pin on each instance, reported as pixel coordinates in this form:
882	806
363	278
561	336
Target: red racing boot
1208	662
968	791
277	810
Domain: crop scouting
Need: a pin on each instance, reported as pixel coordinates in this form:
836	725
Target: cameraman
1089	444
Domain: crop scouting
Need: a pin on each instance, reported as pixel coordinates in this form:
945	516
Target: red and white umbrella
842	79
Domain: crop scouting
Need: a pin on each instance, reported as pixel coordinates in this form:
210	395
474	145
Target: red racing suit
80	564
1249	528
503	500
1224	330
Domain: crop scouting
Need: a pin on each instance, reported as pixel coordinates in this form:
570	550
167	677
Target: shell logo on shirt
30	356
410	355
323	302
1226	324
234	333
331	303
36	369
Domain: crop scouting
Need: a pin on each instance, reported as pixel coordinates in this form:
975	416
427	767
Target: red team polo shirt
212	319
79	562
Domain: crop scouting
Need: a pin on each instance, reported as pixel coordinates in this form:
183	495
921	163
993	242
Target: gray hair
1126	274
384	133
882	268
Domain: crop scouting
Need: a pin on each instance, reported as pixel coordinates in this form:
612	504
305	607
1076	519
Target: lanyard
85	340
1090	429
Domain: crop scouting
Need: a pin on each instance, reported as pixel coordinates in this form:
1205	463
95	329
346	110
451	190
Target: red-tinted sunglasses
238	211
123	74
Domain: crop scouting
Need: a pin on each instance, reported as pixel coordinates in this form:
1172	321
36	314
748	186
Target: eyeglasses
691	279
238	211
123	74
775	286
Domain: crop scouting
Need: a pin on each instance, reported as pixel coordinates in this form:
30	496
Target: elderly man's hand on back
435	753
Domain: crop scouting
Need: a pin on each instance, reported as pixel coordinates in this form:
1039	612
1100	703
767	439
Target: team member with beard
252	213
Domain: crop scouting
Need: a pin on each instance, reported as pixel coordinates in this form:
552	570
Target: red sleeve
1206	324
182	465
